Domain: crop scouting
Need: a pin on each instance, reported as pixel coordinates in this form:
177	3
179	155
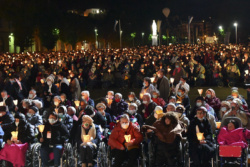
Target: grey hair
58	97
147	94
111	91
27	101
33	90
73	109
124	116
119	94
134	105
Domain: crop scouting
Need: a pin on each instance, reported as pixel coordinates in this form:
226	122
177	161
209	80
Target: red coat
116	139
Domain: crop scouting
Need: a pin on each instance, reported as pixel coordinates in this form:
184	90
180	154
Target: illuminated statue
154	36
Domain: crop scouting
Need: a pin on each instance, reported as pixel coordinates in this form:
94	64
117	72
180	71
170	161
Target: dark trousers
122	155
87	153
201	154
167	154
45	151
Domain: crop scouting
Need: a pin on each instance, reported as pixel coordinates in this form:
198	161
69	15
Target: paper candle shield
172	80
86	138
109	101
69	80
200	136
127	138
14	135
77	103
41	128
15	102
57	85
152	79
159	112
218	124
200	91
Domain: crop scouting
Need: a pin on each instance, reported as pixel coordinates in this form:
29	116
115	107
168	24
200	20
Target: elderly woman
132	110
147	86
224	108
181	116
50	90
34	118
88	137
101	107
201	151
157	99
133	99
233	135
122	148
168	136
212	100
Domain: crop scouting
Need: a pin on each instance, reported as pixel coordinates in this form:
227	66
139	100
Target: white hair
85	92
111	91
147	94
119	94
73	109
134	105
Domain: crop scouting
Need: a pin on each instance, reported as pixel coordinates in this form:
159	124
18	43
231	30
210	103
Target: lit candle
218	124
69	80
86	138
200	91
14	135
58	85
15	102
200	136
247	72
77	103
127	138
141	95
109	101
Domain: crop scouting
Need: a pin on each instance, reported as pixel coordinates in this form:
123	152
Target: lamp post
142	34
96	38
236	25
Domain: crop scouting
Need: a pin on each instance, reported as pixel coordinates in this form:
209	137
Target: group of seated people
165	122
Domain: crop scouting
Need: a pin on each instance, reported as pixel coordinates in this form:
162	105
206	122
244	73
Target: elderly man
132	110
37	100
146	109
162	84
118	105
125	149
236	111
85	96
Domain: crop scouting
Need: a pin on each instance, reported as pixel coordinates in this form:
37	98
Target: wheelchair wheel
246	157
36	155
143	157
102	155
69	160
109	157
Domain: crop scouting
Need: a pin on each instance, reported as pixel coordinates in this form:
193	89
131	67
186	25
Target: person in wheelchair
125	147
167	131
101	107
34	118
55	134
201	151
88	137
15	150
233	135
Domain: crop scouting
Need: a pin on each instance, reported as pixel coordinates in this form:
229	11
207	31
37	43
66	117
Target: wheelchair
181	158
67	158
141	160
225	152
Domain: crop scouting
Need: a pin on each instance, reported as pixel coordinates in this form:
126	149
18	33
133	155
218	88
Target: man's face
131	107
84	96
3	94
145	98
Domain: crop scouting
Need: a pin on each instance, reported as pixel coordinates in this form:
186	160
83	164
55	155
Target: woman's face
167	121
230	126
146	83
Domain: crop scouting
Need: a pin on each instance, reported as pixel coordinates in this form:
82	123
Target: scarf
19	84
176	69
91	133
180	98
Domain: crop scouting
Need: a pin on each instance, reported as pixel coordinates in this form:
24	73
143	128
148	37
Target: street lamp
220	28
96	38
236	25
142	34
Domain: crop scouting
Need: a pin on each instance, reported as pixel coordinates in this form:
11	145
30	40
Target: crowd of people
53	89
